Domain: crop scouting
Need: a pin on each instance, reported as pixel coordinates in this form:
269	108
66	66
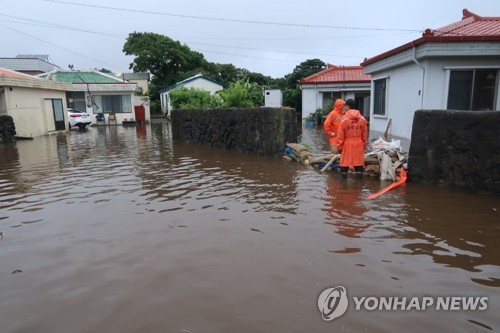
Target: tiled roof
472	28
470	25
338	74
10	73
80	77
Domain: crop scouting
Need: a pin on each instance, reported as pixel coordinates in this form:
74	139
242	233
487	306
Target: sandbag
297	147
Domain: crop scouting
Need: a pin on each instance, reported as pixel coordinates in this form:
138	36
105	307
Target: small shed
273	98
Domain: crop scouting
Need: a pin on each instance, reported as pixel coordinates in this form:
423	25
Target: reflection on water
120	229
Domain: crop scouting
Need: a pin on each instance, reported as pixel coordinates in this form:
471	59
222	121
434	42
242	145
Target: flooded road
119	229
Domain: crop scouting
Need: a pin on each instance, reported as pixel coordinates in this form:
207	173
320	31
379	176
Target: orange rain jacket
351	139
332	121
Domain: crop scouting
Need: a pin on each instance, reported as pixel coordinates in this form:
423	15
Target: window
380	97
111	104
472	90
76	100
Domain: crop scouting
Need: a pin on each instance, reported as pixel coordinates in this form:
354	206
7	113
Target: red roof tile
10	73
472	27
338	74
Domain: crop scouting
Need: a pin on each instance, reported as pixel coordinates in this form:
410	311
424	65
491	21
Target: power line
58	46
276	51
208	18
315	37
244	56
64	27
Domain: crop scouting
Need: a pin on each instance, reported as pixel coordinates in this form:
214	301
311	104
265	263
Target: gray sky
282	35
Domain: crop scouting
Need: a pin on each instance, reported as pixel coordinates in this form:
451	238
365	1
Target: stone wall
262	131
458	149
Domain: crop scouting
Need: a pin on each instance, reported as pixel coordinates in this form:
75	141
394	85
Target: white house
99	93
322	89
37	106
198	82
455	67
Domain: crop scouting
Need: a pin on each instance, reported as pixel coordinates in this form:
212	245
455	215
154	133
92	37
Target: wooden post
386	133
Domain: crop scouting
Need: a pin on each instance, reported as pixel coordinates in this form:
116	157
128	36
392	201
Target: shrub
236	96
184	98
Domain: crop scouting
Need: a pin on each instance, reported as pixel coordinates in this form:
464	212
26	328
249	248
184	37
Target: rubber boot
359	175
343	175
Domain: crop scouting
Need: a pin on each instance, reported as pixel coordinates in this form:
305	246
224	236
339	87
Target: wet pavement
119	229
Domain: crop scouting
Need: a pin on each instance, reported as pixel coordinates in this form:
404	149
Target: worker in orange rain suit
351	140
331	124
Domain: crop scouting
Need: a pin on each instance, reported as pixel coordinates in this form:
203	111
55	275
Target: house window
472	90
379	100
112	104
76	100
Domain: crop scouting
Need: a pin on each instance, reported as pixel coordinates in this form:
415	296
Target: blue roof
192	78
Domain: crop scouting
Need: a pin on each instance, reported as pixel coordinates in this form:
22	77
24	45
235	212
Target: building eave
434	50
34	83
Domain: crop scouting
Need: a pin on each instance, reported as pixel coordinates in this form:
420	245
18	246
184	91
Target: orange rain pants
351	139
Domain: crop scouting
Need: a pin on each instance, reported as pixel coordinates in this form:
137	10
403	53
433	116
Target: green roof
80	77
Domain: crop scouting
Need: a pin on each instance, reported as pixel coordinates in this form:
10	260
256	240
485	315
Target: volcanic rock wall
457	149
262	131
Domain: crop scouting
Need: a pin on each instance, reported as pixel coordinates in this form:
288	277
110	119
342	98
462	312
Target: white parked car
78	118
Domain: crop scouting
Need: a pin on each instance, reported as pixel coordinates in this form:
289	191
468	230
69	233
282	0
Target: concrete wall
457	149
310	101
27	108
262	131
403	97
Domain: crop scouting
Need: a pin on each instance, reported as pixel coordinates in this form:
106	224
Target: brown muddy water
119	229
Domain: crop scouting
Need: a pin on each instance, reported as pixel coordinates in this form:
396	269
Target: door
57	106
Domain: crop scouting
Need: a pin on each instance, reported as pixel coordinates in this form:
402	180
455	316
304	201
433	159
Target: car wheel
82	127
69	125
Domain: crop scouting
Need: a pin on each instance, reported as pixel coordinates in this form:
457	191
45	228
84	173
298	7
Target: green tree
167	60
303	70
292	94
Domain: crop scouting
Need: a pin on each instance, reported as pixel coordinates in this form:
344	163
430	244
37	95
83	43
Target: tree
292	95
303	70
170	62
167	60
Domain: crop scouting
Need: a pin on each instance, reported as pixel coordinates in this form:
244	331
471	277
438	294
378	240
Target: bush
237	96
184	98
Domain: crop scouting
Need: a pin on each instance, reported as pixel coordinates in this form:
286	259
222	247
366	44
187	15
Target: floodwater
119	229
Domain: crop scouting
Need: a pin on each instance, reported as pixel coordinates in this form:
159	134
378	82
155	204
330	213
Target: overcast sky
264	36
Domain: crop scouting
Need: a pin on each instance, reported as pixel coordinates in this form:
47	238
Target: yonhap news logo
333	303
